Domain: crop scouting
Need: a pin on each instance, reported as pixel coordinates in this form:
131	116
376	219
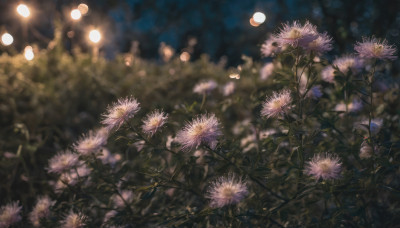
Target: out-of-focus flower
205	87
247	143
296	34
107	157
73	220
226	191
277	105
328	74
324	166
120	112
109	215
10	214
153	122
63	162
270	47
372	48
349	62
204	129
320	45
375	127
266	71
127	196
41	210
91	143
228	89
71	178
200	154
366	150
355	106
266	133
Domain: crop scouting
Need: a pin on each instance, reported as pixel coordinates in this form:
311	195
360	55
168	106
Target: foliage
148	181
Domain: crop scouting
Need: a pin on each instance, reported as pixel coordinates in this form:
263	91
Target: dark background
221	28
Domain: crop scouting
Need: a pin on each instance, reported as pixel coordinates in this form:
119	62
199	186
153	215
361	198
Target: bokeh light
28	53
94	36
7	39
83	8
253	23
185	56
23	10
76	14
259	17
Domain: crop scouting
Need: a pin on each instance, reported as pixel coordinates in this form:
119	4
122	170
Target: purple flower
277	105
204	129
324	166
296	34
120	112
226	191
372	48
153	122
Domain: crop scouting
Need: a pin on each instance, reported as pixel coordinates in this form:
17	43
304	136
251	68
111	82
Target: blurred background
221	29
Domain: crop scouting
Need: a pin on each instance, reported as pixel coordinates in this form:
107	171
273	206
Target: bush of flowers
299	142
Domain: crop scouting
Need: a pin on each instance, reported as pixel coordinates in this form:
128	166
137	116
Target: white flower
62	162
354	106
266	71
41	210
73	220
205	87
324	166
349	62
226	191
10	214
204	129
120	112
328	74
153	122
91	143
107	157
277	105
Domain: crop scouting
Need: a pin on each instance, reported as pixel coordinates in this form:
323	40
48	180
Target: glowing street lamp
94	36
23	10
76	14
28	53
7	39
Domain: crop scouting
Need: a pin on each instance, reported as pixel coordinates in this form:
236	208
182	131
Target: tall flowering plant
299	142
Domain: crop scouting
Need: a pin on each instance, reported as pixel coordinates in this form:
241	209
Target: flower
266	71
120	112
205	87
127	196
270	47
91	143
355	106
10	214
296	34
366	150
324	166
204	129
107	157
320	45
349	62
328	74
41	210
73	220
227	190
277	104
229	88
153	122
372	48
62	162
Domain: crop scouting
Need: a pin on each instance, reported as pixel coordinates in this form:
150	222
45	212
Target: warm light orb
83	8
28	53
259	17
23	10
94	36
185	56
7	39
76	14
